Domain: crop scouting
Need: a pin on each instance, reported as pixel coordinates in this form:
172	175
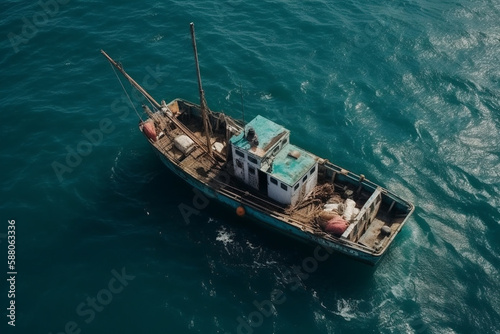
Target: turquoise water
405	92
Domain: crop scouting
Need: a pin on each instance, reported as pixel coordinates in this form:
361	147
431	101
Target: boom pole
173	119
132	81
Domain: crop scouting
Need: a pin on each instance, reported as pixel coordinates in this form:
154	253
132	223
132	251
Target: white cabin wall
277	193
306	187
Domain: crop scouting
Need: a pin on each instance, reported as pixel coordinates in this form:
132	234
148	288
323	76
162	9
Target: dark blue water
405	92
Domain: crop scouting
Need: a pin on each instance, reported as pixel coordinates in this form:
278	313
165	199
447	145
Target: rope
126	93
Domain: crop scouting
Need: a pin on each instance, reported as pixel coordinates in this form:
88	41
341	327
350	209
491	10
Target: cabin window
277	148
296	187
284	187
252	160
313	170
251	170
285	141
274	181
241	154
304	179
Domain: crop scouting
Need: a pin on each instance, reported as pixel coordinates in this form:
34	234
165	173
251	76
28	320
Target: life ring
240	211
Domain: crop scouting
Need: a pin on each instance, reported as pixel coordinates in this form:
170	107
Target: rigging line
126	93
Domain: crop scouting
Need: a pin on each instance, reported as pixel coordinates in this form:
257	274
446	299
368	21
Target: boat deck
216	174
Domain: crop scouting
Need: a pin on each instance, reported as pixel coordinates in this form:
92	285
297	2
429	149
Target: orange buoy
240	211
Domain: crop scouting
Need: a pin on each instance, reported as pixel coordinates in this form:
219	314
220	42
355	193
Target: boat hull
269	221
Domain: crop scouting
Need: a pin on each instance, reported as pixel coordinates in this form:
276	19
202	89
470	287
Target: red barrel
148	128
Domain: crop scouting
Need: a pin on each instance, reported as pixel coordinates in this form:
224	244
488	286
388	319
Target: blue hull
269	221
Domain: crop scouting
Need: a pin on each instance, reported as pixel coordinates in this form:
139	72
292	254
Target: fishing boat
254	169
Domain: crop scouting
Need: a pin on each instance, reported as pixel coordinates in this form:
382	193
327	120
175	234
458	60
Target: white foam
225	237
346	309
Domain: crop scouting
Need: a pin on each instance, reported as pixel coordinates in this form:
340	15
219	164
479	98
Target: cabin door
302	192
239	169
263	182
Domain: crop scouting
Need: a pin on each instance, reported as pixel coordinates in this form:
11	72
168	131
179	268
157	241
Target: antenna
242	105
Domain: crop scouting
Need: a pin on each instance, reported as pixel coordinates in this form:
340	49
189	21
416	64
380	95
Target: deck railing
364	217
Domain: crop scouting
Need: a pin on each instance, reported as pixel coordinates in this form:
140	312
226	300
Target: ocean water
405	92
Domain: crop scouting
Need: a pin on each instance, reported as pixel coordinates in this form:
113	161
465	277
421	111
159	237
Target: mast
203	102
